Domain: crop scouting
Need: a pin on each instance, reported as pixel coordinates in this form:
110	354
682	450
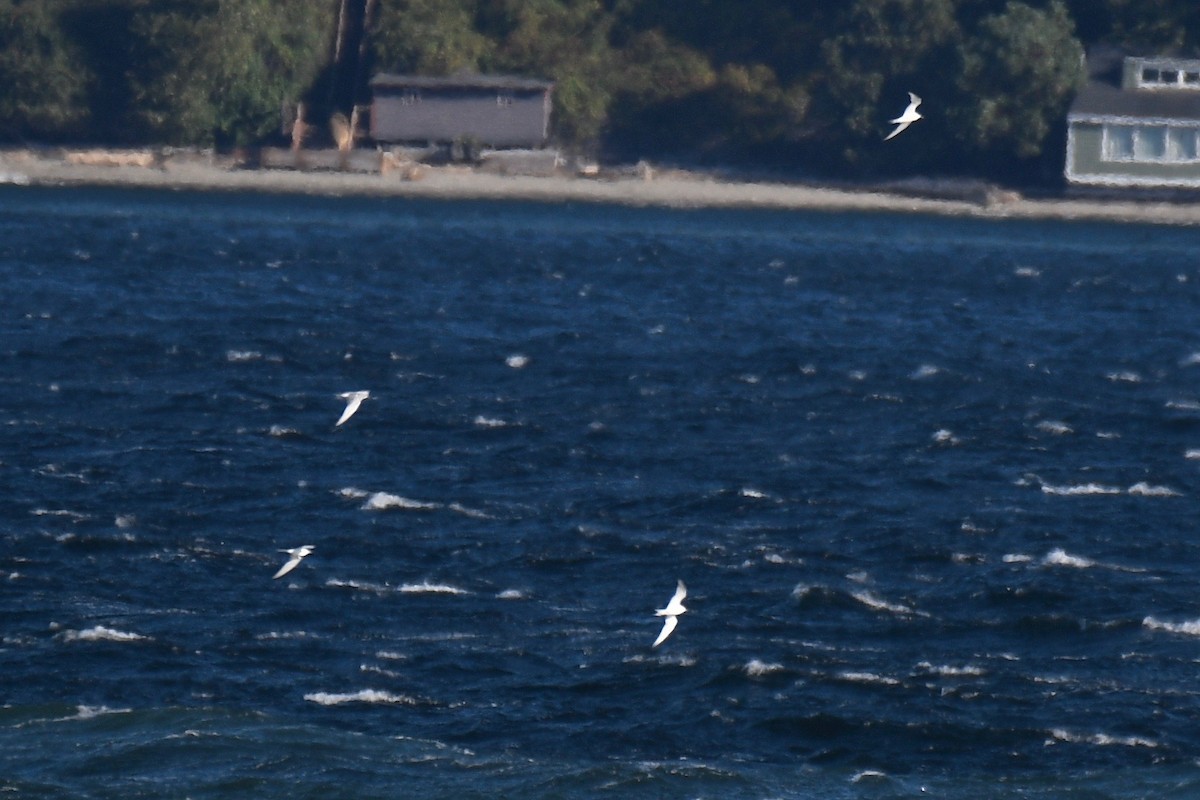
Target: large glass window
1118	142
1181	144
1153	143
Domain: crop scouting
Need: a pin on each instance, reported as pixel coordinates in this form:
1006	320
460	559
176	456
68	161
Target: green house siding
1086	162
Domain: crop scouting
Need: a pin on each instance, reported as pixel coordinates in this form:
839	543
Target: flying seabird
297	555
353	401
909	116
671	612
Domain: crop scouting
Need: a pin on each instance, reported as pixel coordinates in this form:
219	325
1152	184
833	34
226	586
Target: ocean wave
510	594
361	696
1143	489
1189	628
947	671
101	634
870	678
1074	490
878	604
481	421
1101	739
242	356
757	669
1055	427
1061	558
431	588
1124	376
381	501
360	586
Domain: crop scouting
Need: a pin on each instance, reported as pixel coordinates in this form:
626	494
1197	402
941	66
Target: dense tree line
803	83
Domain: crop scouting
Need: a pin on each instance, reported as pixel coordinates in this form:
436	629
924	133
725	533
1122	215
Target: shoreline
667	189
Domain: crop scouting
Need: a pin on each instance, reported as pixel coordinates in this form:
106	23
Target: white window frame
1109	143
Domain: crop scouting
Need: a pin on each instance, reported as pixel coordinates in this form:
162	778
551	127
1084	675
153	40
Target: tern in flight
909	116
671	612
297	555
353	401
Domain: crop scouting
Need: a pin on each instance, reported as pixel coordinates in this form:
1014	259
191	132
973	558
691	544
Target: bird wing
899	128
668	625
352	406
914	101
288	566
680	593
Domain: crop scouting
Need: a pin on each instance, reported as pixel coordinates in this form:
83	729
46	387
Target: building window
1151	143
1169	76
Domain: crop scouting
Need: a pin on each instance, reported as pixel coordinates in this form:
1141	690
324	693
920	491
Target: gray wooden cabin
1136	123
494	110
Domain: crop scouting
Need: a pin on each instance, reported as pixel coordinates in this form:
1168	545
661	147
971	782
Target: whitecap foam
1124	376
1061	558
1101	739
869	775
948	671
241	356
877	604
517	361
431	588
868	678
1055	427
91	712
360	586
101	634
490	422
924	371
753	494
510	594
382	501
282	431
1143	489
361	696
1189	628
473	513
1016	558
1192	454
1080	489
352	493
757	669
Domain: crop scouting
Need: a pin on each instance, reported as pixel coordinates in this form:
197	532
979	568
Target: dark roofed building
493	110
1136	123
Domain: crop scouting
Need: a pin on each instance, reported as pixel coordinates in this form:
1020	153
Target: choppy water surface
932	485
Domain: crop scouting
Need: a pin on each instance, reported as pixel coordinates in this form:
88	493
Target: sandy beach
638	187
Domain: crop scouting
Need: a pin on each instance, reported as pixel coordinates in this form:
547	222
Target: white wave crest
876	604
102	634
511	594
1124	376
91	712
1055	427
1189	628
868	677
489	422
352	493
241	356
1061	558
1143	489
361	696
757	669
1080	489
381	501
431	588
1102	739
947	671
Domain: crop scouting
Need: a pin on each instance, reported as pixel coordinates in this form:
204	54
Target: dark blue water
932	485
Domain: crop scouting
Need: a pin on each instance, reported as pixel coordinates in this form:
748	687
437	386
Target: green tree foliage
217	71
429	37
810	80
1019	72
43	85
